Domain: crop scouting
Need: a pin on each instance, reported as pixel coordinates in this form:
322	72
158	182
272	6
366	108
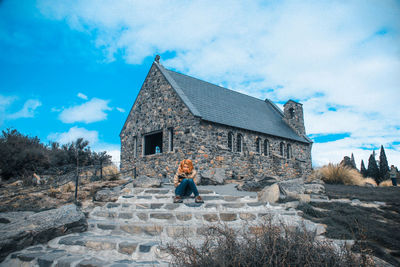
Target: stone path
132	230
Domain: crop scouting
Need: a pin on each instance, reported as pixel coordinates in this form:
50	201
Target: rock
213	177
257	184
292	186
40	227
107	195
314	189
146	182
269	194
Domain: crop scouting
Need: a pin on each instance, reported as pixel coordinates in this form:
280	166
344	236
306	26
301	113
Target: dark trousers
186	188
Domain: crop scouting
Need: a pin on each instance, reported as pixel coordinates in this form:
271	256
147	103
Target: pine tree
363	170
353	162
383	165
373	169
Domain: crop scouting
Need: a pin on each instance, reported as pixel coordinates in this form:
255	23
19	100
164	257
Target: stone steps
132	230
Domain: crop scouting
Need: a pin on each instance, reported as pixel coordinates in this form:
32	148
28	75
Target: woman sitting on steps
185	182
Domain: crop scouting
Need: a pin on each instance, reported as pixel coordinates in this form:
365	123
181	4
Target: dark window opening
239	143
171	139
289	151
266	147
258	145
153	143
230	141
291	113
282	149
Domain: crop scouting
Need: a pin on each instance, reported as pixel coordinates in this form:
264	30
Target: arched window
289	151
258	145
239	143
266	147
282	149
230	141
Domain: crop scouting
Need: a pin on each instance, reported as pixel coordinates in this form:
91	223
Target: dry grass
386	183
338	174
69	187
111	172
53	192
370	180
267	245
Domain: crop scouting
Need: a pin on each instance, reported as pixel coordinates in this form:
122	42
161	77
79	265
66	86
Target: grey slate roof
220	105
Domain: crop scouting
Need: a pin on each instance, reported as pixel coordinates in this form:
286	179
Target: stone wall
158	107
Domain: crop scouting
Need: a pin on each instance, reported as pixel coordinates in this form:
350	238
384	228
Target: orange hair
187	162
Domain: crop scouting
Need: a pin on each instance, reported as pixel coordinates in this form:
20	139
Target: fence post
77	178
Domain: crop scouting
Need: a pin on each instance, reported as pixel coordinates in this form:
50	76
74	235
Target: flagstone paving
133	230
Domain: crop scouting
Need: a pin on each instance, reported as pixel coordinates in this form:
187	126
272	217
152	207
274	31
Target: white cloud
91	111
27	111
80	95
73	134
121	110
340	59
5	102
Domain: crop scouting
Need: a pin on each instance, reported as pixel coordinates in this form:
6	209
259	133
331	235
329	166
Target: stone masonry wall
158	107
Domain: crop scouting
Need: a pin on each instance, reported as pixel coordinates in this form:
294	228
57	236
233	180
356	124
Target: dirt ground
377	229
45	197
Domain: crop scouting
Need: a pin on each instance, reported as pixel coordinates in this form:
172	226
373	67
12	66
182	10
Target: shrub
386	183
338	174
263	245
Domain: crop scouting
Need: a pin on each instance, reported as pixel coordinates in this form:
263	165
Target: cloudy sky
74	68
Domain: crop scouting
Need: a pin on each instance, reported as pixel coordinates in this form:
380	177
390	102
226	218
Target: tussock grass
338	174
386	183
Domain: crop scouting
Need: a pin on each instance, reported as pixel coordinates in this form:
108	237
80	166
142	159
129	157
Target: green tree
353	162
383	166
363	170
373	170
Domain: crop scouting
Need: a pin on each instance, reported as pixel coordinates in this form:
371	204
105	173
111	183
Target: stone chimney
293	113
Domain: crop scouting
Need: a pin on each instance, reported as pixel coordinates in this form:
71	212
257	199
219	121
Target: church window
171	139
266	147
230	141
291	113
153	143
258	145
282	149
289	151
239	143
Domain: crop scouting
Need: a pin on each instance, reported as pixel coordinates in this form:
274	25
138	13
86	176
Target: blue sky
70	70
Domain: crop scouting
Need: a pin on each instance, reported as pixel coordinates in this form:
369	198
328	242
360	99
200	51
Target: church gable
157	114
155	104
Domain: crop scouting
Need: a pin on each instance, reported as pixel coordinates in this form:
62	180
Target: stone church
176	116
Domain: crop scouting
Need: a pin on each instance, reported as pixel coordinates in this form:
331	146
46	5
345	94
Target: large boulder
146	182
213	177
269	194
257	184
292	186
22	229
